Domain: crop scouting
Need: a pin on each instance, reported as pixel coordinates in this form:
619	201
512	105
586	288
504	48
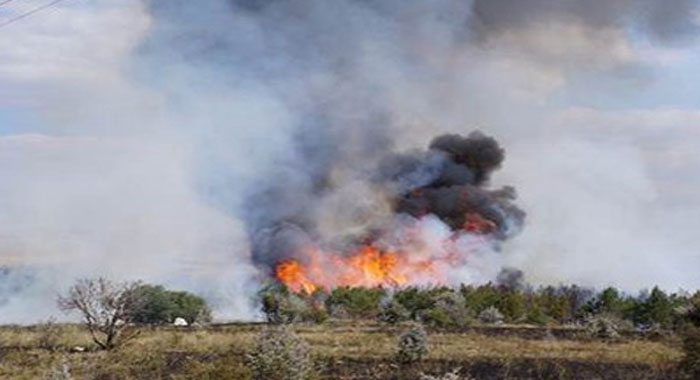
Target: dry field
343	350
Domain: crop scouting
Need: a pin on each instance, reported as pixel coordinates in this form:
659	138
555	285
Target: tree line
443	306
109	309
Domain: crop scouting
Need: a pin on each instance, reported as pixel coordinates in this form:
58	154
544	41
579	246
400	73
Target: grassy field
343	350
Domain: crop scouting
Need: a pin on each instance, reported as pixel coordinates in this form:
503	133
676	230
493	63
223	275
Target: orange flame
370	266
292	274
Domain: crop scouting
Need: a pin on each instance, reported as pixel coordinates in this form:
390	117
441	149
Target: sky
132	132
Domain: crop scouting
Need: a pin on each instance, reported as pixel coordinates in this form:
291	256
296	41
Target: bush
602	327
491	315
158	305
282	306
355	302
690	312
280	355
392	312
413	344
449	310
416	300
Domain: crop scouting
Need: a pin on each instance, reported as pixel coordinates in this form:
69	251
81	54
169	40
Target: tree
656	308
357	302
159	305
106	308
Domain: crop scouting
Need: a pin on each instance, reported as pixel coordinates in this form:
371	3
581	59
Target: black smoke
456	188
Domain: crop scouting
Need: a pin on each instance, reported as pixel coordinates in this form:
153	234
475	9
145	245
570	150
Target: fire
292	274
368	266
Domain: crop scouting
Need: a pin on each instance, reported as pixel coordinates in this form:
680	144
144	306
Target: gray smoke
663	20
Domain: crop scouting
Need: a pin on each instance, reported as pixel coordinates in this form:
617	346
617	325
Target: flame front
425	255
293	275
368	266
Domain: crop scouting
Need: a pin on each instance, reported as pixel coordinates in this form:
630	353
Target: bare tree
106	308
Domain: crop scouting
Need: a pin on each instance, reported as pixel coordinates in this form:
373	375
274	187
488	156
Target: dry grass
218	352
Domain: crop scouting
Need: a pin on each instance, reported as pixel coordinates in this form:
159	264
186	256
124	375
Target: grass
347	349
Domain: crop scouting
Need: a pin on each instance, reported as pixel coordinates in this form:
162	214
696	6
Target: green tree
656	308
357	302
512	305
158	305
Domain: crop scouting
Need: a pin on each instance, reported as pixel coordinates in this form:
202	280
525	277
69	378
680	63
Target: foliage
602	327
413	344
693	314
657	308
449	310
161	306
356	302
491	315
280	355
280	305
416	300
443	307
391	311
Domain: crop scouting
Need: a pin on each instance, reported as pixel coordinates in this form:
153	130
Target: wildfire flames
372	267
368	267
444	217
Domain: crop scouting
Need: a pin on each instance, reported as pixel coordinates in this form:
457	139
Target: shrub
511	304
392	312
449	310
158	305
416	300
691	312
413	344
602	327
282	306
357	302
491	315
280	355
481	297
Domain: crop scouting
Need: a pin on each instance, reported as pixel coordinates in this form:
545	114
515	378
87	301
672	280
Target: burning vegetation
443	215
